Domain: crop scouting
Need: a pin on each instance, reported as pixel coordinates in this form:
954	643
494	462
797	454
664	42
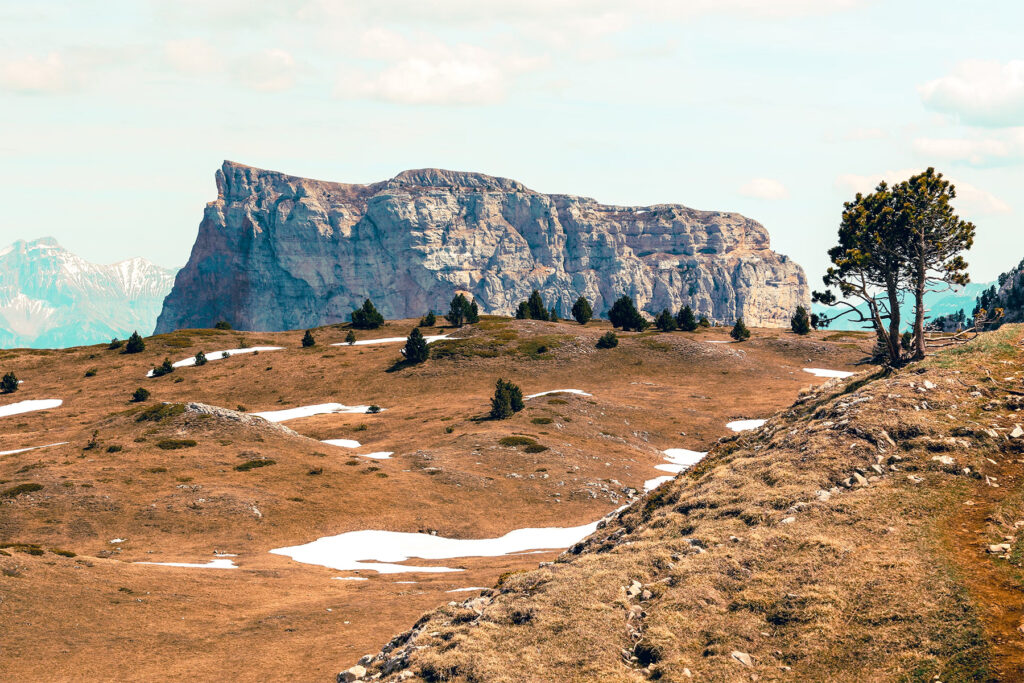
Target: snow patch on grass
678	459
212	564
307	411
819	372
32	448
393	340
379	455
744	425
343	443
578	392
380	550
466	590
217	355
29	406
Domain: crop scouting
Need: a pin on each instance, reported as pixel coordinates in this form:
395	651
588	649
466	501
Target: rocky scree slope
51	298
874	531
279	252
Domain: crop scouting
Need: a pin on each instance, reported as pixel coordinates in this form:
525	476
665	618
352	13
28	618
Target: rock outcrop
280	252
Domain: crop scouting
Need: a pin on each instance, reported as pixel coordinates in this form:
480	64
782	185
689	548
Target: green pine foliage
473	313
507	400
522	311
222	325
115	343
308	340
367	317
800	323
201	358
624	314
740	332
9	384
686	320
535	307
703	322
458	309
350	338
140	395
608	340
429	320
415	350
135	344
164	368
582	311
666	322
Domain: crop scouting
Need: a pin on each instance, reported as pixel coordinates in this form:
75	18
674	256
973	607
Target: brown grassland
176	486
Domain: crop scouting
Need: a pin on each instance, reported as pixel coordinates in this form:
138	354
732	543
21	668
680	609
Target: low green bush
175	444
253	464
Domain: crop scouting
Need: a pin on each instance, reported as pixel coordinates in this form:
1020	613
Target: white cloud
269	70
979	150
978	92
764	188
36	75
969	198
192	56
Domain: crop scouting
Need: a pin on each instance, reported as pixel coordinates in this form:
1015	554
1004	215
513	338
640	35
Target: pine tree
801	321
473	313
222	325
307	339
201	358
140	395
523	311
624	314
507	400
608	340
429	320
535	307
666	322
703	322
164	368
582	311
415	350
115	343
685	319
740	332
553	315
135	344
367	317
457	310
350	338
9	384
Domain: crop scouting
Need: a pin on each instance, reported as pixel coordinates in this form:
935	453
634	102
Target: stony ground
872	531
165	480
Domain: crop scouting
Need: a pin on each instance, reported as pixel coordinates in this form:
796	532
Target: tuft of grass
156	470
16	491
513	441
91	372
30	548
175	444
253	464
542	420
535	448
61	552
115	448
160	412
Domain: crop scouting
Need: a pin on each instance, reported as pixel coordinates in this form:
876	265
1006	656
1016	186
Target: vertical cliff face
280	252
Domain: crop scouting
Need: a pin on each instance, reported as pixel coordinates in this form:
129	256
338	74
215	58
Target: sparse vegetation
175	444
15	491
161	411
253	464
115	343
222	325
512	441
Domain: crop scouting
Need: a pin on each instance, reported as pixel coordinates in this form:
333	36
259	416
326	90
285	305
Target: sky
115	114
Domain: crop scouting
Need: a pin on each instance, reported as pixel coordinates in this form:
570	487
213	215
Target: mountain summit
279	252
49	297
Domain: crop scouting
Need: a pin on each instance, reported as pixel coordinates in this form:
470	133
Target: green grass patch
542	420
175	444
512	441
535	448
62	552
162	411
253	464
16	491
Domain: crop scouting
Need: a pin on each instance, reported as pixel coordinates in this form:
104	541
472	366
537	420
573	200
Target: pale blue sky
114	114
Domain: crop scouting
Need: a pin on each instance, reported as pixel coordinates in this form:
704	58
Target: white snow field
744	425
379	550
379	455
29	406
307	411
819	372
212	564
344	443
217	355
393	340
32	448
578	392
466	590
678	459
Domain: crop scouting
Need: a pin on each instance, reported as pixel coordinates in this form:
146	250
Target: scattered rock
1017	432
355	673
743	658
999	549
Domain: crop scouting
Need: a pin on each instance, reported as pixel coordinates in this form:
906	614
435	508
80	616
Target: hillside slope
51	298
278	252
870	532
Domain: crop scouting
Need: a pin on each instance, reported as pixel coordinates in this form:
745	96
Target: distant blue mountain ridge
937	304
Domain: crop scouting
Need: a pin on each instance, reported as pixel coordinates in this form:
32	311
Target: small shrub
201	358
608	340
507	400
156	470
535	448
541	420
115	343
800	323
449	429
703	322
16	491
222	325
350	338
164	368
316	471
512	441
429	320
308	340
135	344
91	372
373	410
140	395
740	332
61	552
115	448
175	444
253	464
9	383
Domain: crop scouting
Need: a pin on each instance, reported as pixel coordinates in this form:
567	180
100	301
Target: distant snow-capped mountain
51	298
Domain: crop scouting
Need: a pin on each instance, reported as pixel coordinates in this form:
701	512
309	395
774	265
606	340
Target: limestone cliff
280	252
